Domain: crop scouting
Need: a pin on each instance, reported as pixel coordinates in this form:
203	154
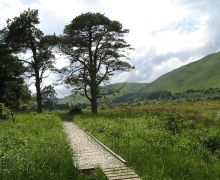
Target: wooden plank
90	153
117	156
123	177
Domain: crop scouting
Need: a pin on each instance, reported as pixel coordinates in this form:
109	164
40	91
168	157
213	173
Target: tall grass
152	145
36	147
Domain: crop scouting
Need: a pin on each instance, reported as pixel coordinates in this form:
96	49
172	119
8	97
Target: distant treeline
189	95
68	106
199	94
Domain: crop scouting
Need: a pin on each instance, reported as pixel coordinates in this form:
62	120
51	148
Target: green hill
204	73
201	74
125	88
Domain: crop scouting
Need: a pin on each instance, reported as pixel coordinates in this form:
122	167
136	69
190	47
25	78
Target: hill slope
125	88
204	73
201	74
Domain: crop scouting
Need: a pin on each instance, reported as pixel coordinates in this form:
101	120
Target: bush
212	143
75	110
173	122
4	112
27	106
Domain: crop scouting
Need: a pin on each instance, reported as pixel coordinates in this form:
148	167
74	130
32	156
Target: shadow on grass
93	174
65	116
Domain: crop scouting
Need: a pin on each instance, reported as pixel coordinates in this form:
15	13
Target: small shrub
25	107
75	110
173	122
4	112
212	143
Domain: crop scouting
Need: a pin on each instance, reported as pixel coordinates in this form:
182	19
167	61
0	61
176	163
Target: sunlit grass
36	147
146	139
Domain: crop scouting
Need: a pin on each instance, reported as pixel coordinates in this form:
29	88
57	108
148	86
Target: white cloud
165	33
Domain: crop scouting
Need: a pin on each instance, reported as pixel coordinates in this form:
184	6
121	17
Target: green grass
164	140
36	147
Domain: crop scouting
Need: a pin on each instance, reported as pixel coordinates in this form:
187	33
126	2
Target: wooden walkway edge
89	153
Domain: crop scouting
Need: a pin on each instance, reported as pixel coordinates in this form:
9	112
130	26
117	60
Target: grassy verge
165	144
36	147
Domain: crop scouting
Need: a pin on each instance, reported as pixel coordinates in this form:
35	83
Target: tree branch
86	93
30	63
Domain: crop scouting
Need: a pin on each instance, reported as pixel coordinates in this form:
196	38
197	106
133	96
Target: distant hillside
201	74
125	88
204	73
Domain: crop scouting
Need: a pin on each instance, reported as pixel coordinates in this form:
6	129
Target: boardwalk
90	154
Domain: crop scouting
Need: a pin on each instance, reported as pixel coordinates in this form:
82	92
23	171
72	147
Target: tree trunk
94	106
37	77
12	115
39	97
94	103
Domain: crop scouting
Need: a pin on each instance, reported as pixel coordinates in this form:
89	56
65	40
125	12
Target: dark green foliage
22	35
213	143
94	174
75	110
62	106
157	95
176	123
189	95
173	122
95	45
4	112
21	31
198	94
13	92
49	98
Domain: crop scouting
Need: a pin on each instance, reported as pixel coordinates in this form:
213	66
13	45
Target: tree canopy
13	91
23	36
97	49
49	97
94	44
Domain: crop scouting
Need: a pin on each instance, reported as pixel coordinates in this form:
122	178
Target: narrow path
90	154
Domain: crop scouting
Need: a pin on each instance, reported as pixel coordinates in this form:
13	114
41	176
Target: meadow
36	147
159	140
165	140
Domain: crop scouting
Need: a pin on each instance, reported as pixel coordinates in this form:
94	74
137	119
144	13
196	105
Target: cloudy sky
165	33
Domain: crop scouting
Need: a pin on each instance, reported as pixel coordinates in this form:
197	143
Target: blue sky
165	33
